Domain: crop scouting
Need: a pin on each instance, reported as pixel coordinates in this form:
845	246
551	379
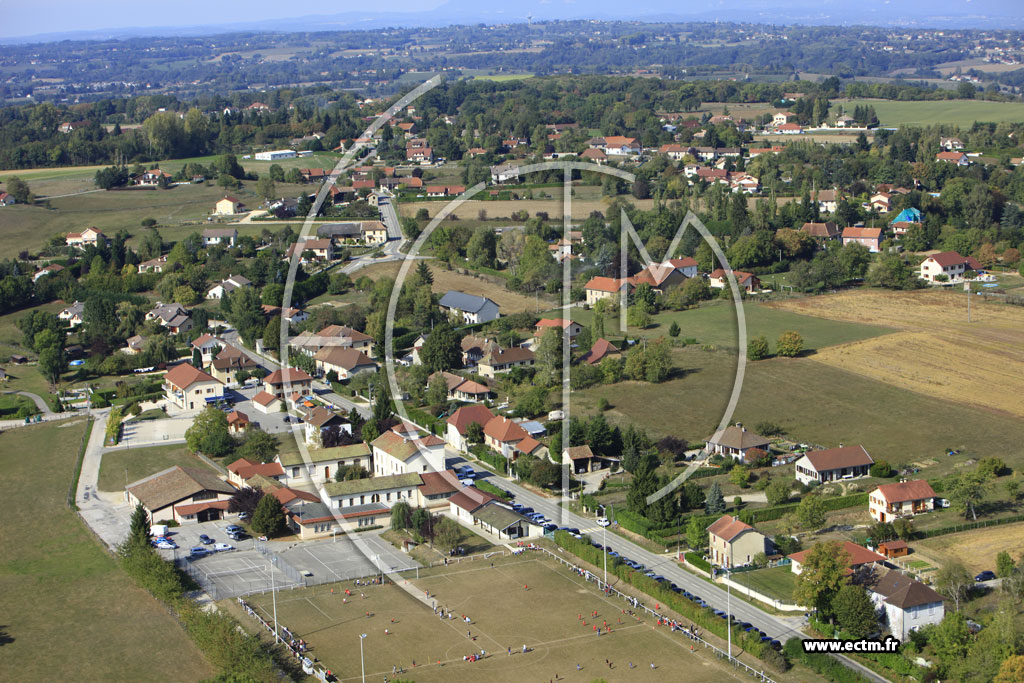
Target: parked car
243	515
205	540
230	528
985	576
165	545
198	551
218	547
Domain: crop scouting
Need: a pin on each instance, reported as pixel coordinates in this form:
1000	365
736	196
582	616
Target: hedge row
698	561
829	667
967	526
702	616
425	419
495	460
484	485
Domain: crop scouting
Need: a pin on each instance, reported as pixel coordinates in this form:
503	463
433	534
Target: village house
51	269
731	543
596	156
402	450
507	437
507	172
718	279
880	202
228	285
461	389
620	145
821	232
497	360
469	308
958	158
90	237
344	362
323	426
951	144
582	459
907	604
600	287
73	315
267	403
828	201
790	129
287	380
191	389
134	345
153	177
185	495
333	335
208	347
228	206
437	489
904	499
323	463
496	517
833	464
858	556
569	328
735	441
312	250
869	237
473	348
947	266
223	236
457	424
781	118
601	349
174	317
153	265
244	469
226	369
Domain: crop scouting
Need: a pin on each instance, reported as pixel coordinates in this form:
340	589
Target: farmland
936	352
975	549
813	401
503	615
69	611
961	113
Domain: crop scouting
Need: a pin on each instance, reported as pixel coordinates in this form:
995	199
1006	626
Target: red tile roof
727	528
504	430
948	258
185	375
906	491
858	555
605	284
862	233
286	375
836	458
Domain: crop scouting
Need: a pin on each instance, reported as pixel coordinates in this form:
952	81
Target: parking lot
245	569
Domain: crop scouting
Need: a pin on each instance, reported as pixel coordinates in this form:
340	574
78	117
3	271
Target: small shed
894	548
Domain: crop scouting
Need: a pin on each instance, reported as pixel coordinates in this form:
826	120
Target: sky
22	18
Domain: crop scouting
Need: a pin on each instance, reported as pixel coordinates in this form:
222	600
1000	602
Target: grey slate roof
460	301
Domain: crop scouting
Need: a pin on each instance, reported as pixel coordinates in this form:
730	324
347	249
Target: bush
757	347
881	469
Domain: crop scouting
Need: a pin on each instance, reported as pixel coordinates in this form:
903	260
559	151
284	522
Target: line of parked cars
696	599
233	531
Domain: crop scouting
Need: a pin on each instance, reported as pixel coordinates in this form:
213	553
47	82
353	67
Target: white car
165	545
603	521
222	546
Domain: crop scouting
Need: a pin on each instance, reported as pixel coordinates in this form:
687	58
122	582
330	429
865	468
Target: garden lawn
775	582
69	611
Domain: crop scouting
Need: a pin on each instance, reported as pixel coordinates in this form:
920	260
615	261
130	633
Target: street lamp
362	664
604	542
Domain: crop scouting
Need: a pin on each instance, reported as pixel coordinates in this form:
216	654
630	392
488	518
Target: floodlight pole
362	664
273	594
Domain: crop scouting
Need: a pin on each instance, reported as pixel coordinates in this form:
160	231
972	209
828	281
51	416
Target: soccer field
518	601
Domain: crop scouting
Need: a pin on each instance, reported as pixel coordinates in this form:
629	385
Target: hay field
975	549
935	350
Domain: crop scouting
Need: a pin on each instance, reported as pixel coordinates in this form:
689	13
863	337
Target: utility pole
967	288
362	663
273	593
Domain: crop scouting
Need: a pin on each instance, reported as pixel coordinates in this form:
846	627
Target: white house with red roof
600	287
243	468
858	556
208	347
833	464
90	237
191	389
947	266
402	450
286	381
903	499
508	438
457	429
568	327
718	279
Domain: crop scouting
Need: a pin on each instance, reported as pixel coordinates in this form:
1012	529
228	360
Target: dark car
985	576
776	645
205	540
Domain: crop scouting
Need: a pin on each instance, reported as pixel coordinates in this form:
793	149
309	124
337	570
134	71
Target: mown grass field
503	615
935	351
716	323
69	611
131	464
961	113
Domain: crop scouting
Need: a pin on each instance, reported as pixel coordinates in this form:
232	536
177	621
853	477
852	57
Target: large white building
276	154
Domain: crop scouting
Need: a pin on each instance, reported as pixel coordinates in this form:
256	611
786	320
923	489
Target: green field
503	616
131	464
961	113
774	582
813	402
69	611
716	324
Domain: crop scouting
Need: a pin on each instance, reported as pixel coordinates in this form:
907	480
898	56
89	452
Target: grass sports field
935	352
503	615
961	113
69	611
